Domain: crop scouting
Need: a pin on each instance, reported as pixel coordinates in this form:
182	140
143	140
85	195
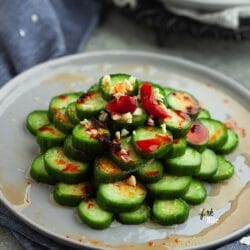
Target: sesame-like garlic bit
131	181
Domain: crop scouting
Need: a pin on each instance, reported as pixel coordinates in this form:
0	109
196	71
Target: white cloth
228	18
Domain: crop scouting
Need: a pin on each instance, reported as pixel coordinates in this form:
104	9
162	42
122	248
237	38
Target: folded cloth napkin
35	31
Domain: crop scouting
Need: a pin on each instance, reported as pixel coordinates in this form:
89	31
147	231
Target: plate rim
187	64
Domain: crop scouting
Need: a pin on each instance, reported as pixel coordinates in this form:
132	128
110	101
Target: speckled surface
231	58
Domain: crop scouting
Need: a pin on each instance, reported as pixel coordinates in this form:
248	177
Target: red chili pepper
123	104
149	102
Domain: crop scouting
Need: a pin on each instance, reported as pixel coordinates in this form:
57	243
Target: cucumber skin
177	149
101	177
74	153
47	179
171	221
195	200
225	149
221	177
175	168
222	139
65	128
114	206
127	218
72	114
170	194
63	176
30	128
204	113
92	224
66	200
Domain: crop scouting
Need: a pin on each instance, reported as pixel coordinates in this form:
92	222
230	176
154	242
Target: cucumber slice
138	216
94	87
138	119
217	133
71	194
72	114
187	164
152	142
196	193
62	101
106	171
177	122
49	136
63	168
90	105
39	173
120	196
184	102
209	164
225	170
92	215
117	84
197	136
36	119
231	143
151	172
124	155
90	136
204	113
167	91
74	153
62	121
170	212
169	187
178	148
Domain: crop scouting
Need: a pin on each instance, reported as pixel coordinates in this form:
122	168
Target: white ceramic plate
208	4
224	98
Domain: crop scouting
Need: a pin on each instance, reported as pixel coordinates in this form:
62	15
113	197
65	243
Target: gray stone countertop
229	57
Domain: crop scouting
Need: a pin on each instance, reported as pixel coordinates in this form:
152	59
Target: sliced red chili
149	102
123	104
152	173
71	168
151	145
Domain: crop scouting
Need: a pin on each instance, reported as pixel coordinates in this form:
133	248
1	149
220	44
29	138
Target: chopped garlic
158	95
130	120
132	79
124	132
106	80
138	111
103	116
126	116
85	122
131	181
134	132
163	126
116	116
123	151
118	135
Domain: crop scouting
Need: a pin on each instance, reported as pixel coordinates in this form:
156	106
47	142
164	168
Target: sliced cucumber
170	212
187	164
197	136
62	121
217	133
117	84
231	143
94	87
138	118
120	196
209	164
196	193
167	91
74	153
124	155
106	171
91	136
71	194
36	119
184	102
49	136
63	168
72	114
39	173
135	217
169	187
151	171
178	148
92	215
177	122
204	113
90	105
62	101
152	142
225	170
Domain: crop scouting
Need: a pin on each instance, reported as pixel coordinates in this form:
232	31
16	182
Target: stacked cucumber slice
129	150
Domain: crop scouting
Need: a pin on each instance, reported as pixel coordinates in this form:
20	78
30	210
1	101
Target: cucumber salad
129	150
